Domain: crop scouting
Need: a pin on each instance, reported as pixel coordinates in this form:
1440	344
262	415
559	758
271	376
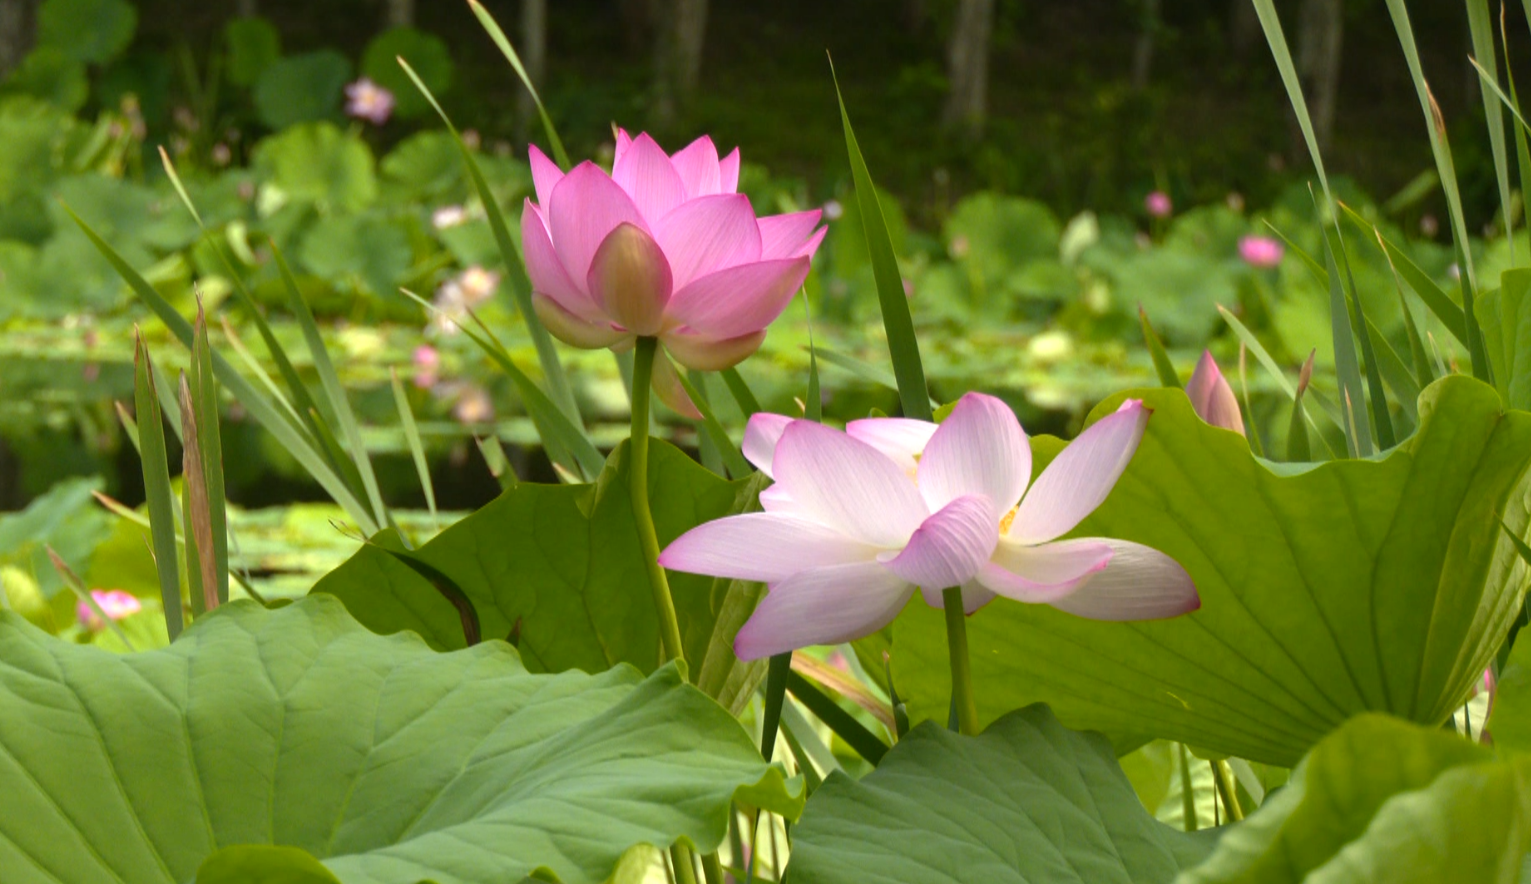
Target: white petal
824	606
1141	583
761	546
979	449
1080	477
1044	573
847	485
900	438
761	434
951	546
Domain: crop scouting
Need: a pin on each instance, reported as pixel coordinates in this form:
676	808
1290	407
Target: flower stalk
962	672
638	479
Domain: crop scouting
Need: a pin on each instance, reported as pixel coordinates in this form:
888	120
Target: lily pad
1026	801
1384	800
560	567
1327	590
380	758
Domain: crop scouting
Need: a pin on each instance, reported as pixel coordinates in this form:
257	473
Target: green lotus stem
1227	789
681	857
712	868
638	483
962	672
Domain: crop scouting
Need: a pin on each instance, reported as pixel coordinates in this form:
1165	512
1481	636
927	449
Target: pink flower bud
1261	251
1212	397
1158	204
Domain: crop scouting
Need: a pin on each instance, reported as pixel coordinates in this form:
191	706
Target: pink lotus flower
857	521
1212	397
368	101
664	247
427	362
1157	204
1261	251
115	604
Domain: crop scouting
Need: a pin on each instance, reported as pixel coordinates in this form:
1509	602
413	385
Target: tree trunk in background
17	32
1243	27
399	14
534	53
967	67
1320	29
1143	52
681	29
914	15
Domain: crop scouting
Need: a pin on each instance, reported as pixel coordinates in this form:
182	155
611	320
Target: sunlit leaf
1327	590
387	761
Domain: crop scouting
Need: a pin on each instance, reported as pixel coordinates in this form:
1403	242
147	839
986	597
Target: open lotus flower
858	520
664	246
1211	396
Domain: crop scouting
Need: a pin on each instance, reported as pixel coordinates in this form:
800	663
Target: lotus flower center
1008	519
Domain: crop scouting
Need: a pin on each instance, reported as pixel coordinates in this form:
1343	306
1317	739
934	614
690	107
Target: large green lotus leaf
427	55
302	88
1510	721
1384	800
318	163
92	31
1327	590
1505	317
385	760
1028	801
561	567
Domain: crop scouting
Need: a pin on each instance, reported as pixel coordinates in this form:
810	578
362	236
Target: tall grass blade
1297	449
498	464
520	284
896	319
744	397
1293	248
129	426
842	723
255	368
1168	377
204	397
1276	38
498	36
737	466
813	406
77	586
199	520
1431	295
156	472
1395	373
1274	370
416	449
567	445
1423	376
1251	426
1445	166
180	189
1376	396
290	436
330	381
1481	27
775	693
1346	366
302	402
1522	150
